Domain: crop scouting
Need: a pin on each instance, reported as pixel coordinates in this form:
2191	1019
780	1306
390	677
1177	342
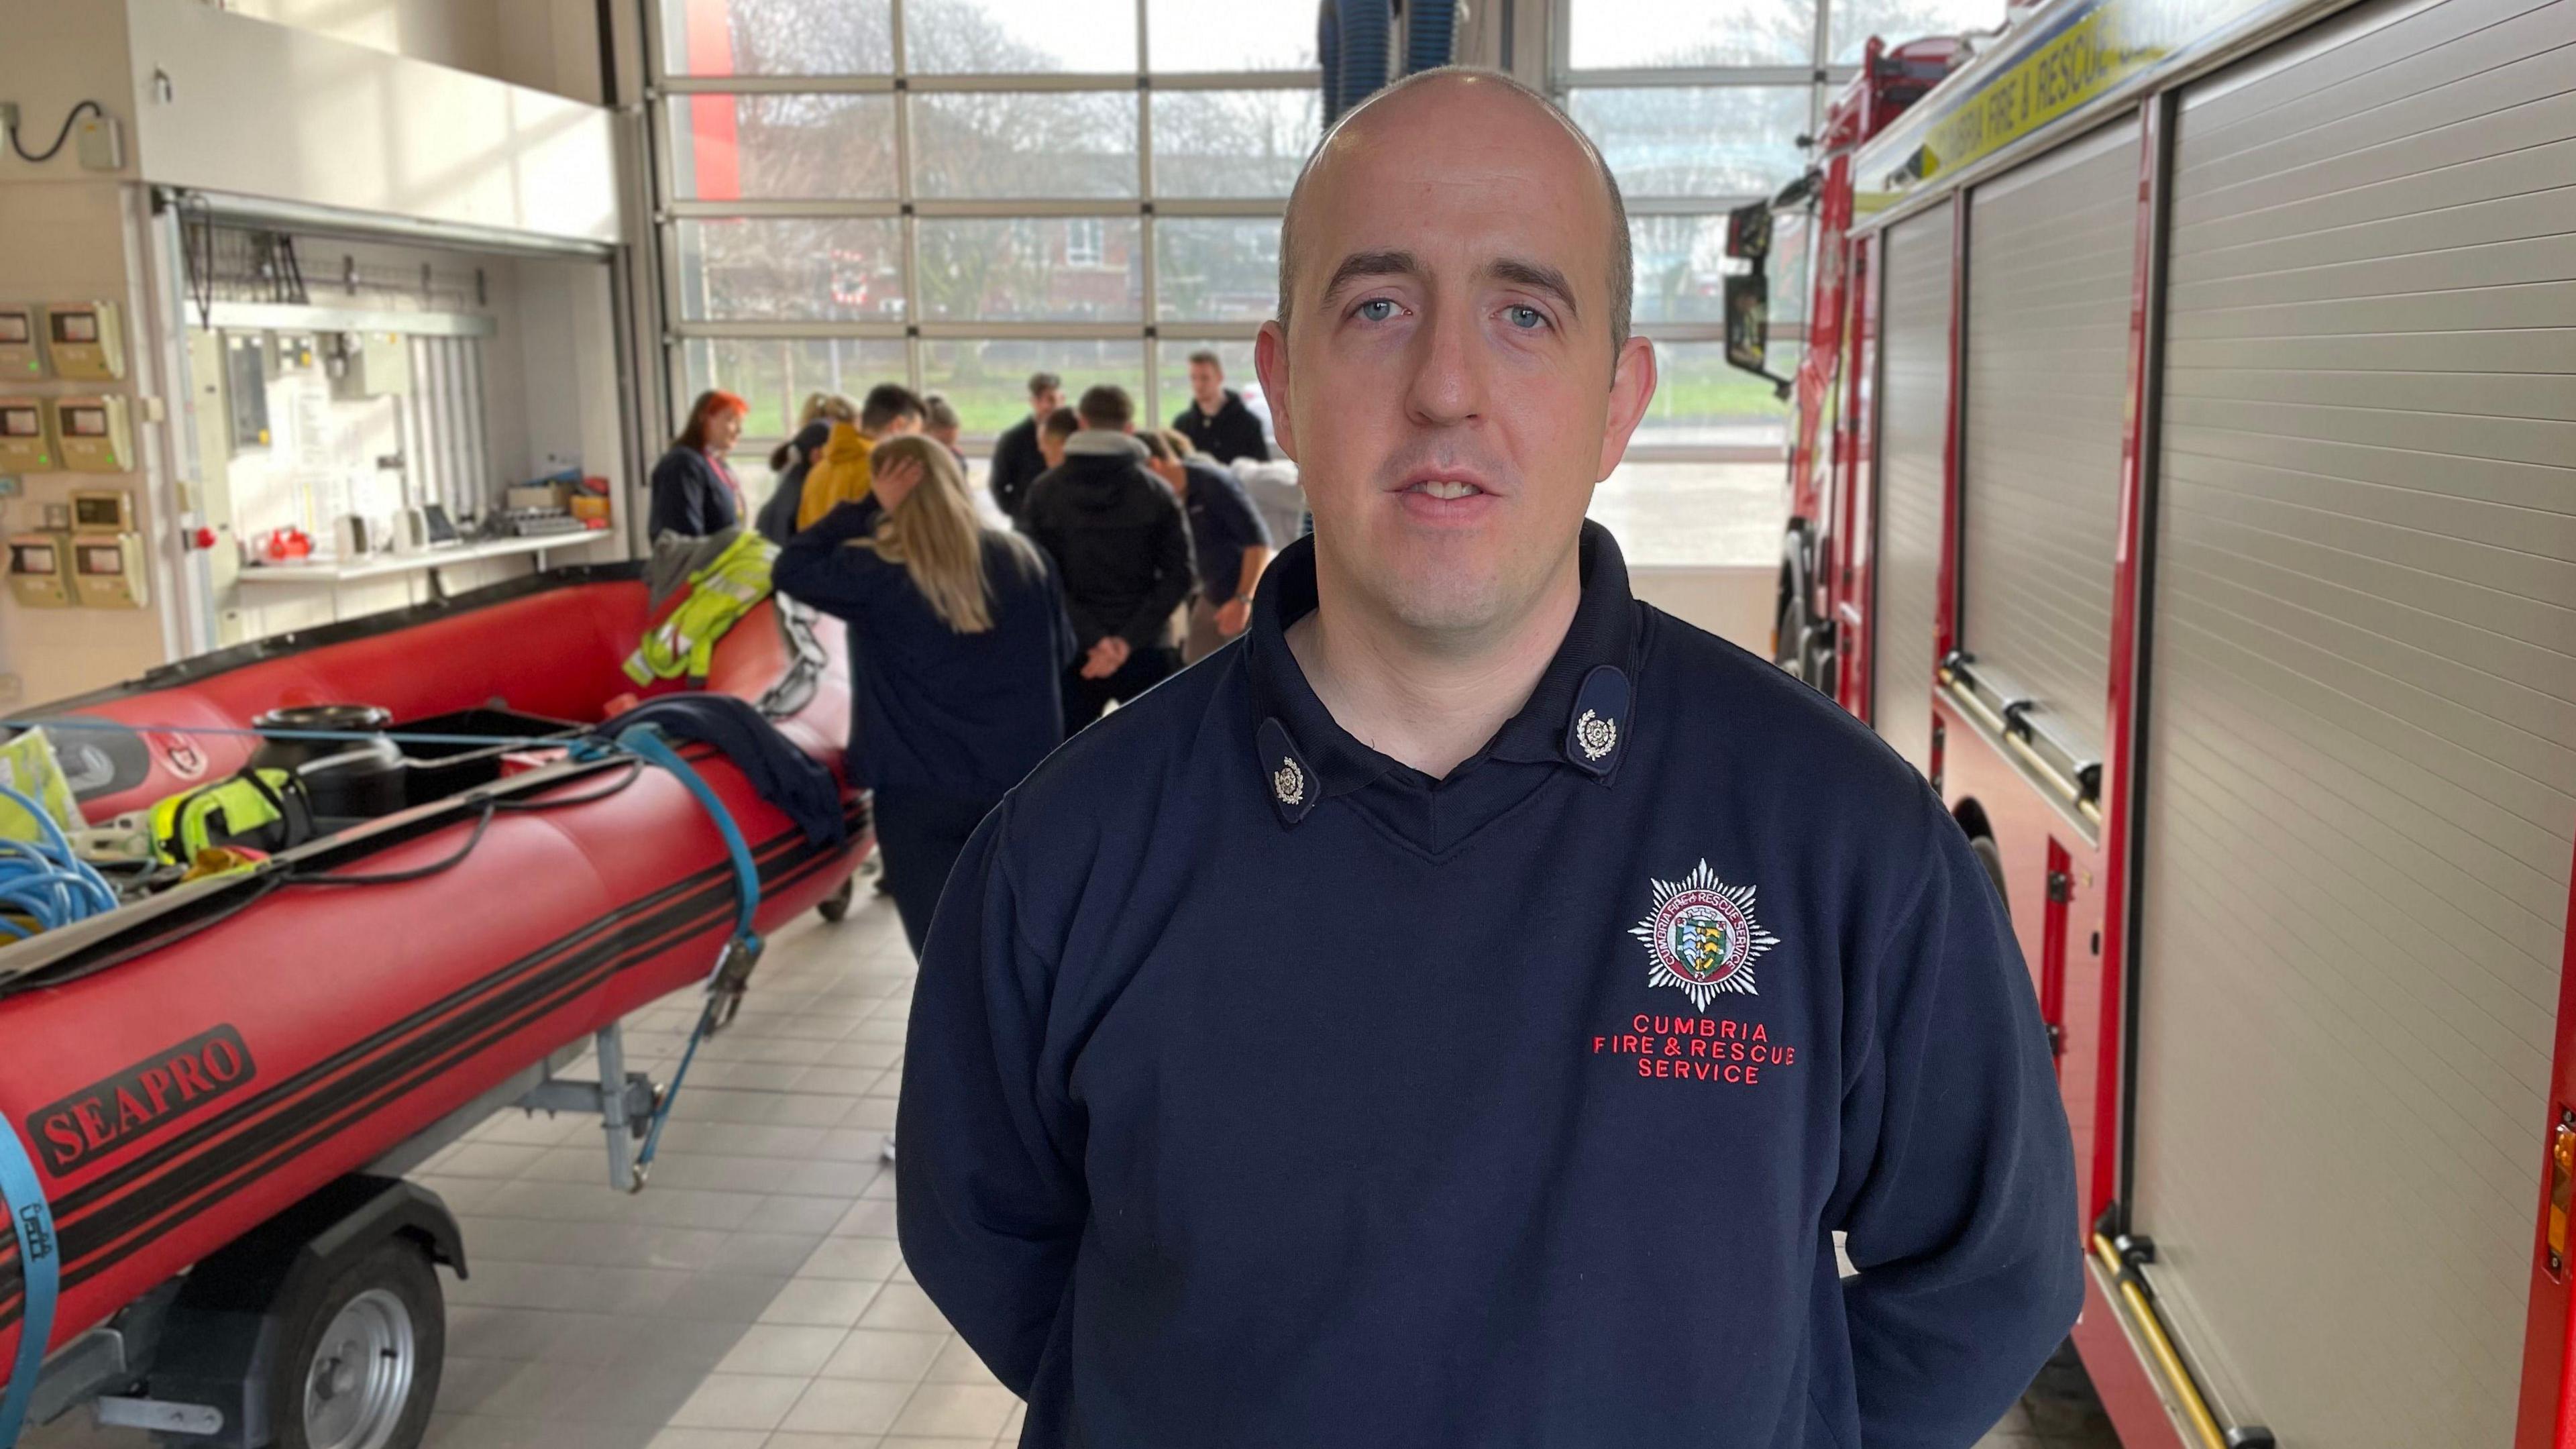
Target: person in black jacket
957	642
1229	544
1017	461
1216	422
693	493
1117	533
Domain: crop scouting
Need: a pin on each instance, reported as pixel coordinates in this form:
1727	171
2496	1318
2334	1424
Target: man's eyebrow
1537	277
1359	265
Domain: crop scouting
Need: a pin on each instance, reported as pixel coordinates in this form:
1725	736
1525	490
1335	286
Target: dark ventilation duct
1354	44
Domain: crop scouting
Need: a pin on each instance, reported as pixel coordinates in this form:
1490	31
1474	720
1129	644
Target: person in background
693	493
1018	454
1117	534
1272	487
1227	537
958	640
1056	431
1216	422
939	420
842	475
790	461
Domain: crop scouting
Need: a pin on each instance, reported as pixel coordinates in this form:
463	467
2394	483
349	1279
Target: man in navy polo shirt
1465	1014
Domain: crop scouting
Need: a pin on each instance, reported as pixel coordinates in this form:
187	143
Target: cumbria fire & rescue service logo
1702	937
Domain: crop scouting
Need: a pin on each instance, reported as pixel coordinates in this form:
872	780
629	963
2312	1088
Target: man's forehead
1488	178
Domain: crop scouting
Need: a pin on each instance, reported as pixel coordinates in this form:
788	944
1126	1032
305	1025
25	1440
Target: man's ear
1632	387
1270	359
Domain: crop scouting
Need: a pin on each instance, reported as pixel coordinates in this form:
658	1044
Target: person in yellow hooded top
842	474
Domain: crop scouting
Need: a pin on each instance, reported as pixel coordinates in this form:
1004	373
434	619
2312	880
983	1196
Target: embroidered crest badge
1701	936
1596	736
1289	783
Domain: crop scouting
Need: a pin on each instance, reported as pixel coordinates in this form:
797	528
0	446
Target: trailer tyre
365	1351
1794	626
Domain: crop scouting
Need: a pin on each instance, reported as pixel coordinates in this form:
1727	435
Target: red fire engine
2184	479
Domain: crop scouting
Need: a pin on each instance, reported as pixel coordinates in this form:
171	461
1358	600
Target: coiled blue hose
43	880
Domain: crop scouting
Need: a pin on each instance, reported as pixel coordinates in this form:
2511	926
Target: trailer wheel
365	1350
836	906
1793	645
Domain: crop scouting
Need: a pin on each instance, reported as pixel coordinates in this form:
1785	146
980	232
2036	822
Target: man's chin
1446	602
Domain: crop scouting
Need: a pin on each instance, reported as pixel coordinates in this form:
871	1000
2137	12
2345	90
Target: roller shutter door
1914	415
2361	771
2051	250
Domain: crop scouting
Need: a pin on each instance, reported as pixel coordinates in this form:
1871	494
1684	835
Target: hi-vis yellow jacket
719	594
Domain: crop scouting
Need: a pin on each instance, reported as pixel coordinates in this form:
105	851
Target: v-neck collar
1579	718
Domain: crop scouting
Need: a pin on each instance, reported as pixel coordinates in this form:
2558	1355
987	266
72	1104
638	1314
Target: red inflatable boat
188	1067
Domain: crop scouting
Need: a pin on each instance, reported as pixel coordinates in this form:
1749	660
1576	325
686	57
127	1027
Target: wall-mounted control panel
109	569
26	437
21	358
96	434
86	341
40	570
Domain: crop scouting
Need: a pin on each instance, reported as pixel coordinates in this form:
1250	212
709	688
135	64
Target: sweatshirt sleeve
673	501
989	1198
1957	1185
1173	577
818	567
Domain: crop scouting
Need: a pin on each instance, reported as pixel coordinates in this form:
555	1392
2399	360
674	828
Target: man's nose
1448	383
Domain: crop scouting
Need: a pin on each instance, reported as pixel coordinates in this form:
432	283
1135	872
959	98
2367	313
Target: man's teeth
1444	488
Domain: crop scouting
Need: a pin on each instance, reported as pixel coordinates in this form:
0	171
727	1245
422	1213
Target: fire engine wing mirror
1748	327
1748	233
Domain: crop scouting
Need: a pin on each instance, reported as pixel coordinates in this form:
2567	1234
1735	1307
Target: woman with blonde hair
790	461
958	639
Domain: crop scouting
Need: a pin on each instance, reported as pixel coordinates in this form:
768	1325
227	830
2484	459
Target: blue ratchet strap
742	949
39	1270
646	743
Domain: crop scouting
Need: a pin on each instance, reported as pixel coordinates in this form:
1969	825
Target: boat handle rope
741	953
39	1269
73	724
725	987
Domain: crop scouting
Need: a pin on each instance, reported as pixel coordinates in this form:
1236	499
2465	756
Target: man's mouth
1446	488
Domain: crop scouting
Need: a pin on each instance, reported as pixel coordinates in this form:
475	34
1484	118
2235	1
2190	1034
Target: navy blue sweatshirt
1262	1090
777	520
692	495
934	711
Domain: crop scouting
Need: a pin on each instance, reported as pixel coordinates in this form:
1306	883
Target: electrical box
371	365
102	510
26	443
87	340
95	434
101	141
40	571
246	378
20	358
109	568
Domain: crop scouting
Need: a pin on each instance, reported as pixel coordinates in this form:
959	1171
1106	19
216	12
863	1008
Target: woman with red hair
693	491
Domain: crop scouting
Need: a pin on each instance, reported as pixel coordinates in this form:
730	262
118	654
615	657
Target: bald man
1465	1012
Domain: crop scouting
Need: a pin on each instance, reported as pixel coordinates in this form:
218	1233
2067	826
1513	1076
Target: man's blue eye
1526	318
1376	309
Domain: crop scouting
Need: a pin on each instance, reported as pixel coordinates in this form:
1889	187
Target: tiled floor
753	1296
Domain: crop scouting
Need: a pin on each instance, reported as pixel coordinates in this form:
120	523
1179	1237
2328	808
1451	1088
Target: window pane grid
893	176
860	184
